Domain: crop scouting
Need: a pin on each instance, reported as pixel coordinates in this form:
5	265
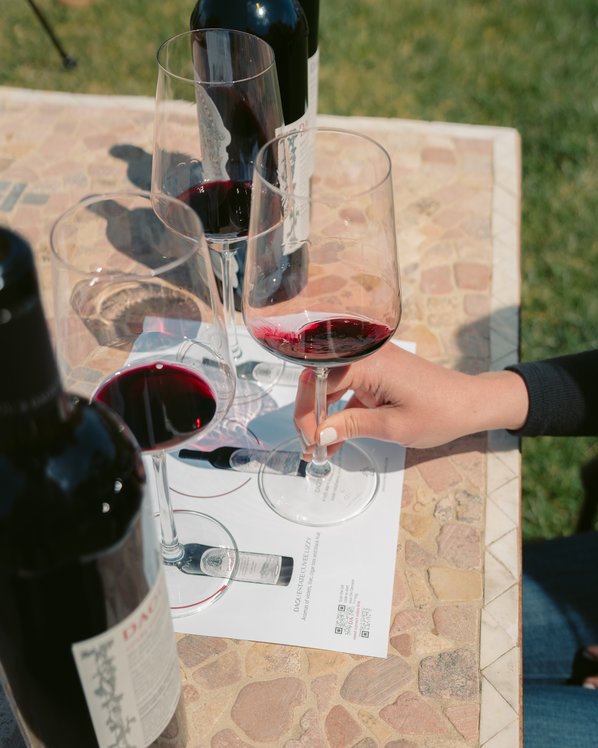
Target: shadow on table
139	164
139	168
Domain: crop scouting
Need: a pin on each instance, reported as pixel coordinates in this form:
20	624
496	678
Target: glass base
347	490
255	380
207	565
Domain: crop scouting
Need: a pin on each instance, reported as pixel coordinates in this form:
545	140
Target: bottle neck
32	402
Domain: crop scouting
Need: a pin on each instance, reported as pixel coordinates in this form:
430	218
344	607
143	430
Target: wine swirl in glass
217	103
345	304
137	318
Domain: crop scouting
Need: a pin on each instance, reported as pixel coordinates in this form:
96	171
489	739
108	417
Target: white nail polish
589	685
328	436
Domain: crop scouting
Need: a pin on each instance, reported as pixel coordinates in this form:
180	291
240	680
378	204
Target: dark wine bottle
283	25
311	8
86	639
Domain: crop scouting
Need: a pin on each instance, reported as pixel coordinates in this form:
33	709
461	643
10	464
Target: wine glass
217	103
139	327
341	213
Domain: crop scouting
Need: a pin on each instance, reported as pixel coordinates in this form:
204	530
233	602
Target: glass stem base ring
342	494
194	589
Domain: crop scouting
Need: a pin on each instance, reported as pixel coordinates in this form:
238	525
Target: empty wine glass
345	305
137	318
217	103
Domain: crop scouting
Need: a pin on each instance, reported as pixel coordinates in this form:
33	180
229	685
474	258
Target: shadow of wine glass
139	164
114	306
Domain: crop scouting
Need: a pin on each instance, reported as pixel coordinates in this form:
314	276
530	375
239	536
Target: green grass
527	64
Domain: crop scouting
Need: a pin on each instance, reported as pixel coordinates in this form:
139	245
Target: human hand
400	397
590	653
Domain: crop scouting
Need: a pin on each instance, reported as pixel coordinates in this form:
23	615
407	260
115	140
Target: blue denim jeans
560	616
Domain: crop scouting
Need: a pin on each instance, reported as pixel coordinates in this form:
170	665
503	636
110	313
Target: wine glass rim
194	242
231	32
314	131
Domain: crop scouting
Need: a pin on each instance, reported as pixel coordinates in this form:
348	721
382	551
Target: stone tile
459	623
264	710
495	641
264	659
460	545
496	713
456	584
504	674
324	688
413	715
311	733
439	474
509	737
499	472
376	681
507	497
194	650
465	718
225	671
507	550
450	675
342	730
504	609
497	578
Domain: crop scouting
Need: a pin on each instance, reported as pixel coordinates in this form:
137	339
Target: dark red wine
162	403
78	562
327	342
282	24
222	206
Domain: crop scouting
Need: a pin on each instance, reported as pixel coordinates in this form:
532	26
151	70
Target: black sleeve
563	395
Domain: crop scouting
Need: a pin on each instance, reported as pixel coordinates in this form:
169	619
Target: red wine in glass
223	203
163	404
332	341
223	207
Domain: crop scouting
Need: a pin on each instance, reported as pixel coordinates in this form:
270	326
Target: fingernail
587	684
589	655
304	440
328	436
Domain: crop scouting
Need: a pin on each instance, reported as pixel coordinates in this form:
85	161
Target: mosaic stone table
452	675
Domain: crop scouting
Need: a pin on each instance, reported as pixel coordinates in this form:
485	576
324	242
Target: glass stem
319	466
228	294
172	549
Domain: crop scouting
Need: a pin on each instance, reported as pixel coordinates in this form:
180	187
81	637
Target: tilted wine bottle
86	639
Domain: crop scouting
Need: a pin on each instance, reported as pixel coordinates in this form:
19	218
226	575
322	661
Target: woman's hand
400	397
591	654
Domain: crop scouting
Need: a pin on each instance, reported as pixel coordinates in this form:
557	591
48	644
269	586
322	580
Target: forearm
496	400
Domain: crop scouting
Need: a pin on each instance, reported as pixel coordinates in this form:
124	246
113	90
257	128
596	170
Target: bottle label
296	153
313	76
130	674
262	568
251	461
214	138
